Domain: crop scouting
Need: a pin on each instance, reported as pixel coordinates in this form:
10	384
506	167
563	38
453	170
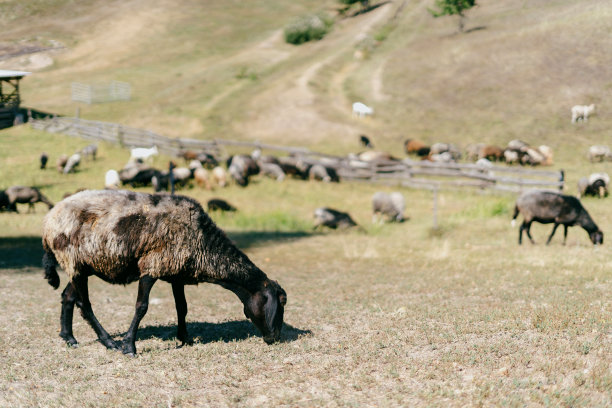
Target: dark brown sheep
25	195
549	207
122	236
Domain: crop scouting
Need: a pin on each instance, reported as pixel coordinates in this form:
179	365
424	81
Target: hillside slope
218	69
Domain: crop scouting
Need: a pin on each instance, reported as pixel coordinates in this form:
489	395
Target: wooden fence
406	172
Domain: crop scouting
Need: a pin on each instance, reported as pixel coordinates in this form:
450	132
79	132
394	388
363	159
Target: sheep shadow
20	252
248	239
203	332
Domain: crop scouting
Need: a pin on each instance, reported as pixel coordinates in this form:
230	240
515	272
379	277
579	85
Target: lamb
391	206
219	175
61	163
365	141
551	207
72	163
90	150
123	236
594	185
361	110
44	158
144	154
111	179
217	204
25	195
599	153
331	218
582	112
323	173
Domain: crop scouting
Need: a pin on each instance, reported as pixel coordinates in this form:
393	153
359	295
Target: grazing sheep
453	150
44	158
492	153
373	155
517	145
331	218
217	204
241	167
144	154
594	185
582	112
61	163
72	163
200	174
90	150
138	174
122	236
599	153
208	160
547	152
511	156
188	155
219	176
25	195
272	170
413	146
264	158
323	173
361	109
294	167
365	141
4	201
391	206
111	179
181	176
551	207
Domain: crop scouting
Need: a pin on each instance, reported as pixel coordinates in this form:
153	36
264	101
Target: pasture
389	315
398	314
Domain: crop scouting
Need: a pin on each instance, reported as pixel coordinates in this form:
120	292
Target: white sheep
582	112
390	205
72	163
361	109
599	153
111	179
143	153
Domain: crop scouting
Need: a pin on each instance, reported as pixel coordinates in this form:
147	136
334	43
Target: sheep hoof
70	340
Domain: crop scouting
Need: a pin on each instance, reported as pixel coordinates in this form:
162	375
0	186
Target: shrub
307	28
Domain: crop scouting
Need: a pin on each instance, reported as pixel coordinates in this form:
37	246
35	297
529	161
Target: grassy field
391	315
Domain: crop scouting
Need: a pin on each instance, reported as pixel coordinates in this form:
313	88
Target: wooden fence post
562	179
435	207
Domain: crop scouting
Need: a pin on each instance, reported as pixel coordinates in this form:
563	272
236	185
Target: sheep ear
283	299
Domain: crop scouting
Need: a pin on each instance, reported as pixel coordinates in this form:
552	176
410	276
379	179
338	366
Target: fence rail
407	172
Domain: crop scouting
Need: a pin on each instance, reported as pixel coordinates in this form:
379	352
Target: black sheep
217	204
548	207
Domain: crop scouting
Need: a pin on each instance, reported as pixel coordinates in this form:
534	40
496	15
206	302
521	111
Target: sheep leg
528	231
80	285
552	233
564	233
69	297
142	305
178	289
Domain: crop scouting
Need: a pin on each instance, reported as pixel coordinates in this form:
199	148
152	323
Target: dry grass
398	315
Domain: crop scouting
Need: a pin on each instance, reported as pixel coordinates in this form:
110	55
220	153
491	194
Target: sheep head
596	237
265	308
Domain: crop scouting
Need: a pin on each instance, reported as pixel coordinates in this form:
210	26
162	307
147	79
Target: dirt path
290	110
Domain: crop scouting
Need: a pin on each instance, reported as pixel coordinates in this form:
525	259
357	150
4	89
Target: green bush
307	28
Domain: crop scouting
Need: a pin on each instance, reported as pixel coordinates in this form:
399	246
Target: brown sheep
122	236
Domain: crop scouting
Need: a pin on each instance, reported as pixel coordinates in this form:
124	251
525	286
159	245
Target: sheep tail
516	213
49	263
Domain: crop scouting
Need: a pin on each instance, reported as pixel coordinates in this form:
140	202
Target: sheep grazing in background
200	174
44	158
219	176
137	174
372	155
188	155
413	146
595	185
388	205
548	207
294	167
361	110
272	170
331	218
23	195
511	156
208	160
323	173
90	151
142	153
72	163
517	144
453	150
122	236
61	163
491	153
365	141
111	179
217	204
599	153
181	175
241	168
582	112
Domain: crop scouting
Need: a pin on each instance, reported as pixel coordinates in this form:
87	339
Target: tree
453	7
